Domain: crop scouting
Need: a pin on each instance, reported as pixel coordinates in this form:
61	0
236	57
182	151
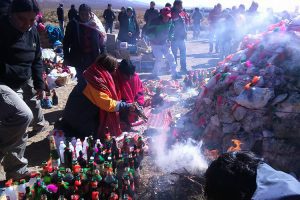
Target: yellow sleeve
100	99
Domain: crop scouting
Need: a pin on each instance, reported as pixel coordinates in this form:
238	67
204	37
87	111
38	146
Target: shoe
176	76
37	128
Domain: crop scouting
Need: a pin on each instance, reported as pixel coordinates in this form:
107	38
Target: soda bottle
54	153
62	147
54	98
78	147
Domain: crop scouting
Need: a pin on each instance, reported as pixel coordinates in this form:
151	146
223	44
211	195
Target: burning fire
236	145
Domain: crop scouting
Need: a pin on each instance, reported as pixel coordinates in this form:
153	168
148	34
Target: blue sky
277	5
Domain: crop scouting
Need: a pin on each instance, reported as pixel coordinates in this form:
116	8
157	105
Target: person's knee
25	115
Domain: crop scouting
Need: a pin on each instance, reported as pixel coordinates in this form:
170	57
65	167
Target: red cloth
102	81
129	89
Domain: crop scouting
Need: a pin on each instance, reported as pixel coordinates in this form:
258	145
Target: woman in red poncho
101	91
129	89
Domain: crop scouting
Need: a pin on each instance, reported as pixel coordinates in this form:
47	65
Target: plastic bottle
54	153
78	147
98	142
85	146
9	191
21	189
73	141
62	147
68	156
54	98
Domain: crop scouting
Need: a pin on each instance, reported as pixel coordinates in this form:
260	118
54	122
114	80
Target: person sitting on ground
130	30
20	60
73	13
243	176
101	91
130	89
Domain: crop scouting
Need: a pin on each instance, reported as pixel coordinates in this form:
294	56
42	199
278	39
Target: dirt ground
154	183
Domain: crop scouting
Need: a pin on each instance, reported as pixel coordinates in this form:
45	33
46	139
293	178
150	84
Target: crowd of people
108	92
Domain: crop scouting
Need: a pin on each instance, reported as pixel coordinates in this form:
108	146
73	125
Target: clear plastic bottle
78	147
98	142
21	189
85	146
62	147
10	191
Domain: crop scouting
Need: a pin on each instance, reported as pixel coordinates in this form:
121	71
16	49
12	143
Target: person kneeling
130	90
101	91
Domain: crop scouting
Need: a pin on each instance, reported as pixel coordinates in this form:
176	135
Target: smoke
185	155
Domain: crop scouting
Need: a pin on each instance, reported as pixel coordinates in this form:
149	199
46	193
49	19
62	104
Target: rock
279	99
255	97
239	112
289	108
231	128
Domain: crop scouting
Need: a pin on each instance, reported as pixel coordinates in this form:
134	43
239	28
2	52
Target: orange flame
255	79
248	86
211	154
236	146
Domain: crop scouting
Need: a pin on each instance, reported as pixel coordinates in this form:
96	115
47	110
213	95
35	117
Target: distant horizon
277	5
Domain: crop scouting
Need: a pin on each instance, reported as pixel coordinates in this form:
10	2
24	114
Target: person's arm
104	14
146	15
103	101
114	16
37	67
137	28
67	42
139	97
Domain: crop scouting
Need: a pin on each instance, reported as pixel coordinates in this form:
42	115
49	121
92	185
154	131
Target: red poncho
100	79
129	89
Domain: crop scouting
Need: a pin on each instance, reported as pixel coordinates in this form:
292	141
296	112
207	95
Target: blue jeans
179	44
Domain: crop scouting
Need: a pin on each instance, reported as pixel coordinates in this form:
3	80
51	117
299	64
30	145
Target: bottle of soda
54	153
54	98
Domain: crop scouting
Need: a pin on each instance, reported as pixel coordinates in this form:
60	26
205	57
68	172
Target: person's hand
129	34
40	94
131	107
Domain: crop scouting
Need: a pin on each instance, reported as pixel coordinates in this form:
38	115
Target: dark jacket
4	5
73	14
81	45
20	56
150	14
197	16
159	32
124	29
122	17
60	14
109	16
180	21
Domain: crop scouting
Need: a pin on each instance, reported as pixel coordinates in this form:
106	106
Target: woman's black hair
232	176
24	6
126	67
83	7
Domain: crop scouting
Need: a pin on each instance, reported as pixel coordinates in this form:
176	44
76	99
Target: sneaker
37	128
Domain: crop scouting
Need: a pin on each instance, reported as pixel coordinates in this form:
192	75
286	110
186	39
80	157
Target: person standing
130	30
180	21
20	60
73	13
60	17
160	33
109	17
197	17
82	45
122	17
213	19
151	13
